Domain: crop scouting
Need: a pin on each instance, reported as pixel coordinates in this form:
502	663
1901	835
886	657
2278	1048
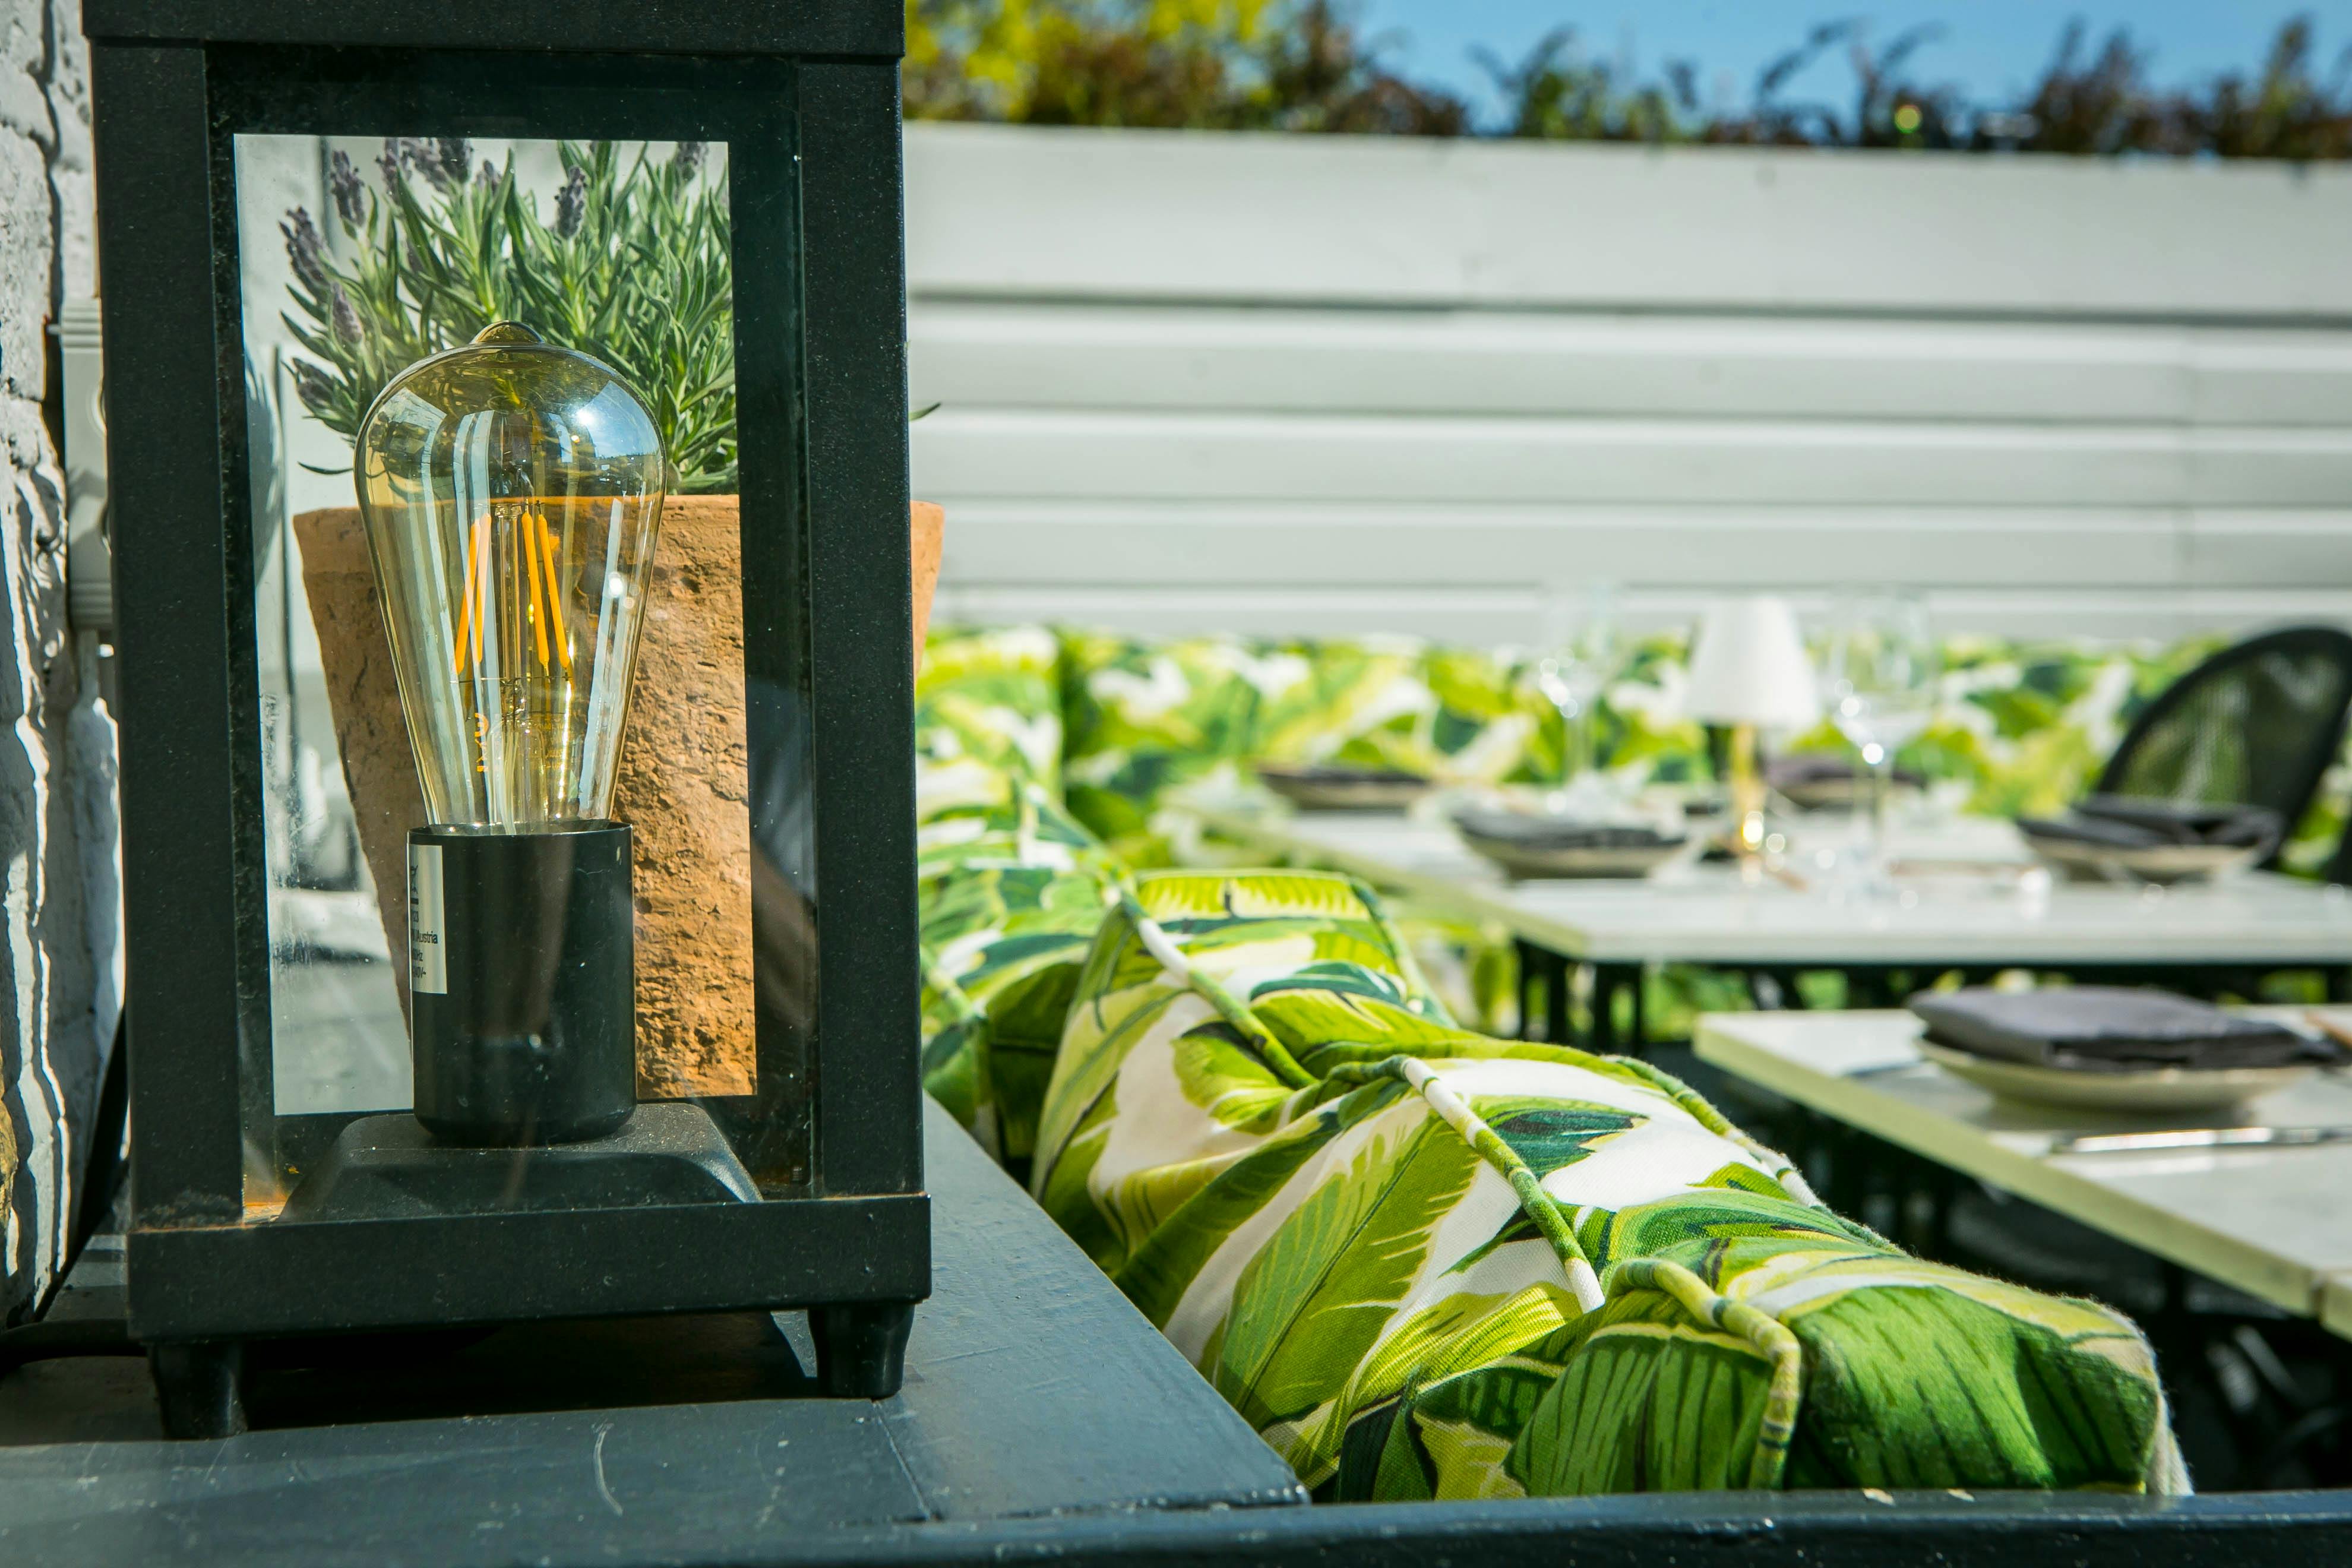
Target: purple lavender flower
688	159
305	251
345	317
425	157
312	386
571	203
457	159
343	180
390	164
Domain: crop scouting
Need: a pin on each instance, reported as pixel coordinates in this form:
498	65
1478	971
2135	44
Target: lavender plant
631	265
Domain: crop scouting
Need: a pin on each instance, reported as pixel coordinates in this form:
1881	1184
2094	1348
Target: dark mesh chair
2256	724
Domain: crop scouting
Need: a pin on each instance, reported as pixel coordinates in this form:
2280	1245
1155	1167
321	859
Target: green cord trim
1534	1202
1407	965
1272	1051
1771	1338
1715	1121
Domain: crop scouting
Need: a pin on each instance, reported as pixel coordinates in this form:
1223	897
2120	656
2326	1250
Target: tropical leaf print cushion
1427	1263
1009	898
1149	717
2018	726
1010	888
987	711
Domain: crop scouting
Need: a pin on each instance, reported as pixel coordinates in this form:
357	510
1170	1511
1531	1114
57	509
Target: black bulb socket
522	983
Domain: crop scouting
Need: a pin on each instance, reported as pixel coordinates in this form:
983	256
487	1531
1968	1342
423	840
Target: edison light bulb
512	495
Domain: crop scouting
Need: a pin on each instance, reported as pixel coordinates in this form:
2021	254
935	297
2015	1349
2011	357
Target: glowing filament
537	602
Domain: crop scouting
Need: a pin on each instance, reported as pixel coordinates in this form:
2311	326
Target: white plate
2154	1089
2161	863
1525	861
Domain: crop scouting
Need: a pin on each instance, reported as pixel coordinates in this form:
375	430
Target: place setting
1586	825
2120	1050
2116	838
1772	820
1335	786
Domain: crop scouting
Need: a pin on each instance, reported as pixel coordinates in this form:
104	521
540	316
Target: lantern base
522	983
199	1387
390	1167
861	1347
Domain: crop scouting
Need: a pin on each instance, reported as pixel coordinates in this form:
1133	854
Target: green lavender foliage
631	267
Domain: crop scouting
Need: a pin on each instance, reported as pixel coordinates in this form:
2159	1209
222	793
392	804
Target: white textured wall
1356	385
56	760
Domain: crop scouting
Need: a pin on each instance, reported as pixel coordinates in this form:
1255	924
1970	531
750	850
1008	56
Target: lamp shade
1750	667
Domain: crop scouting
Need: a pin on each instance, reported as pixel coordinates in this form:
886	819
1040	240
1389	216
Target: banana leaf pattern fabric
1010	897
1425	1263
987	711
2018	727
1010	888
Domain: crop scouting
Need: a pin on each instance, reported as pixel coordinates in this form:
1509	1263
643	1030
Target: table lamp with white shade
1749	670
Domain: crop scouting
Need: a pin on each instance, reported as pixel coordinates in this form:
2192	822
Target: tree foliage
1306	65
1203	65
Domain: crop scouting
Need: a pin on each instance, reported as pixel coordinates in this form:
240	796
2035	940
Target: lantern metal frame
806	97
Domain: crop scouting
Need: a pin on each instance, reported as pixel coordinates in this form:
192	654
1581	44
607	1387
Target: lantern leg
200	1384
861	1348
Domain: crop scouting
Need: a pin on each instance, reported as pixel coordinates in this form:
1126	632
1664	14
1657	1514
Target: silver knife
2200	1138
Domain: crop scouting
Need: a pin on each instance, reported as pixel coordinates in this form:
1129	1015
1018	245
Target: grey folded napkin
2121	822
1529	830
2106	1028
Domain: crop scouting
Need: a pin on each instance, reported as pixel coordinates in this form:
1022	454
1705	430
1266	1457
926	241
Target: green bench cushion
1423	1262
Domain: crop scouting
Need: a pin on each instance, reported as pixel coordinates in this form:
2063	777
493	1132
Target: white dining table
2275	1223
1968	894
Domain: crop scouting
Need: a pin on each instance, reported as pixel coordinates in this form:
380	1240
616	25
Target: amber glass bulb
512	494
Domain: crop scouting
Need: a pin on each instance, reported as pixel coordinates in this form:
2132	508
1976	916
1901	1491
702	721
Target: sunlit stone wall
58	906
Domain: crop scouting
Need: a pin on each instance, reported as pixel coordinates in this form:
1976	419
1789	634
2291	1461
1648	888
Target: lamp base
1747	828
389	1167
522	983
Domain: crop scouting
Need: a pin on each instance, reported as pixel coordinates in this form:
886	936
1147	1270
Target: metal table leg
1541	964
1529	957
1555	1027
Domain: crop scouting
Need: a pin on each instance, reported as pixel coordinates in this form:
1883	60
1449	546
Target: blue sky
1991	49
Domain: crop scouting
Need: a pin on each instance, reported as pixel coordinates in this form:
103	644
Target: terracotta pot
682	783
926	525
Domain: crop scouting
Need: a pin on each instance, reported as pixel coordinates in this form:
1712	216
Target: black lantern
506	433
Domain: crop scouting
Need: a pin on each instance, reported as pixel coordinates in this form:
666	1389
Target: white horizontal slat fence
1355	385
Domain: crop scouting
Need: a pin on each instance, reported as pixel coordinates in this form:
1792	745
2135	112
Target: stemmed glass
1579	659
1878	682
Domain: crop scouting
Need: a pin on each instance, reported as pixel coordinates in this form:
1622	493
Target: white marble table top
1977	898
2275	1223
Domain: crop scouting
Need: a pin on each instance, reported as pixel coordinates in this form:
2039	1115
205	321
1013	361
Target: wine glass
1579	659
1878	683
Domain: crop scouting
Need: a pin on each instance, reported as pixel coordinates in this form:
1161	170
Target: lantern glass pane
497	619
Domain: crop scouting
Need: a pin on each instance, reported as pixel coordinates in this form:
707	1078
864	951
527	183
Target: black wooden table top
1041	1421
1033	1390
